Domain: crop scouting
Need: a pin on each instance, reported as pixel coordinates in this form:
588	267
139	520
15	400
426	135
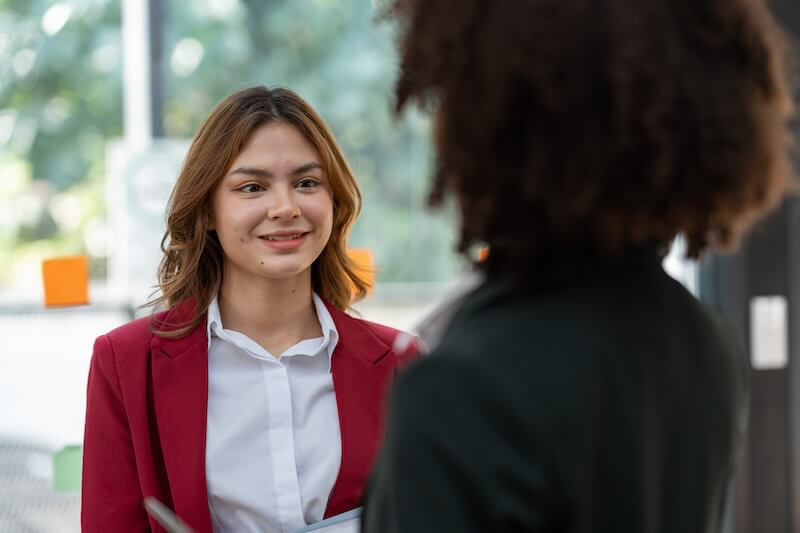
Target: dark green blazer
602	398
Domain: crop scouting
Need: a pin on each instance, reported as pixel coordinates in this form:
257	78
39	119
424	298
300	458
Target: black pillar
767	264
766	493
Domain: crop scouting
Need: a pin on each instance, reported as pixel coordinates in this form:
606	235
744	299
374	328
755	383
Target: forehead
277	144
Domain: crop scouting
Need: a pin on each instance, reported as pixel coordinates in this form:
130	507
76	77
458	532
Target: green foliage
337	57
61	101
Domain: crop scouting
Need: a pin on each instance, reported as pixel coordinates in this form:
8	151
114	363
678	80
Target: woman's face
273	210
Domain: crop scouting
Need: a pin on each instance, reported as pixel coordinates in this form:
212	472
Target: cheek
328	224
235	221
320	213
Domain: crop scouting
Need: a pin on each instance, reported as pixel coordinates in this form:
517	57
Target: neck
275	313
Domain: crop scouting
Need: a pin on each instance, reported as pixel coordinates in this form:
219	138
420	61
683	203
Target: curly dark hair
562	124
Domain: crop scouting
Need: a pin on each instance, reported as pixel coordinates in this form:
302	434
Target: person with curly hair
580	388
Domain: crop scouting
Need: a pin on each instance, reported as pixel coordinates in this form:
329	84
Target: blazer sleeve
111	497
445	464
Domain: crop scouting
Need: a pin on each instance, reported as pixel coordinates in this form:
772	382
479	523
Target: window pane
335	55
60	100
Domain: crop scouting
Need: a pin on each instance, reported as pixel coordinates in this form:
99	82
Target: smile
285	242
283	237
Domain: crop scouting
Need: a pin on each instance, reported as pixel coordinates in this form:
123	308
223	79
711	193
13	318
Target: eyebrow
262	173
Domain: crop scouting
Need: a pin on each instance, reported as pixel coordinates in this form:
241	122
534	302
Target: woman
580	388
253	403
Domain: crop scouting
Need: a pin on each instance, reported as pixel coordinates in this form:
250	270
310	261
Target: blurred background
98	102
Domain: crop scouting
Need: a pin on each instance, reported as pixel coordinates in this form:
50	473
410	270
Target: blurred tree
61	101
334	54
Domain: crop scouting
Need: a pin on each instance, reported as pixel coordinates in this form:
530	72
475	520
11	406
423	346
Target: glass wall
336	56
60	102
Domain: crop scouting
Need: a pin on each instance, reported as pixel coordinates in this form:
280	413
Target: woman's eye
251	187
307	183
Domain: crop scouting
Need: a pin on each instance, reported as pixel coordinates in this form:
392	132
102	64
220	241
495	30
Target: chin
283	271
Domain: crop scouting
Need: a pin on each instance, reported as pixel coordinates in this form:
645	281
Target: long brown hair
191	269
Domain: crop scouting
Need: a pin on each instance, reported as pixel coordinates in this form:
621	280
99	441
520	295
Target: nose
282	205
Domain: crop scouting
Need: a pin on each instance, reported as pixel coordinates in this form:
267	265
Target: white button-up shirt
273	444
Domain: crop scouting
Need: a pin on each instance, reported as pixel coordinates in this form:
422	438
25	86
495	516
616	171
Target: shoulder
429	381
404	344
449	399
388	335
132	337
113	350
137	330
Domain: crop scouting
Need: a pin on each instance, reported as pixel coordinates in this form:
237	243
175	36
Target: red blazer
146	417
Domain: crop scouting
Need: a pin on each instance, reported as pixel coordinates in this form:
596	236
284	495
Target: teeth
283	237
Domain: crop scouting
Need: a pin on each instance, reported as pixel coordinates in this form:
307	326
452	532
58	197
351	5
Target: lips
283	237
278	236
284	241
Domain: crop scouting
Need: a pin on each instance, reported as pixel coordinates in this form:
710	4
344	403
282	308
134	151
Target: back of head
599	124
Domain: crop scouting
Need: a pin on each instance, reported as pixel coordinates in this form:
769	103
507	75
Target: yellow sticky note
365	264
66	281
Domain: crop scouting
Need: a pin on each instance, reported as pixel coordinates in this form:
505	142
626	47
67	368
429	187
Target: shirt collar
329	332
214	320
330	335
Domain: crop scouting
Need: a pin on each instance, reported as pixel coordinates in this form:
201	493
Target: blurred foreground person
580	388
253	402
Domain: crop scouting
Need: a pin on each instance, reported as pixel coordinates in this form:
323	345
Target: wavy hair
566	126
191	268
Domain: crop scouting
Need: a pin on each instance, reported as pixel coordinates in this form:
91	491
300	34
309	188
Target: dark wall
766	493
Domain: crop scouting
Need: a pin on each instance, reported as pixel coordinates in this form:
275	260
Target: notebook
349	522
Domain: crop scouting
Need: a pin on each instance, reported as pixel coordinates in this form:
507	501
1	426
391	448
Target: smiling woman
253	403
262	128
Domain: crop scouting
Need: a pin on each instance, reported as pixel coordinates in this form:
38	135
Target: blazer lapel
180	397
362	369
